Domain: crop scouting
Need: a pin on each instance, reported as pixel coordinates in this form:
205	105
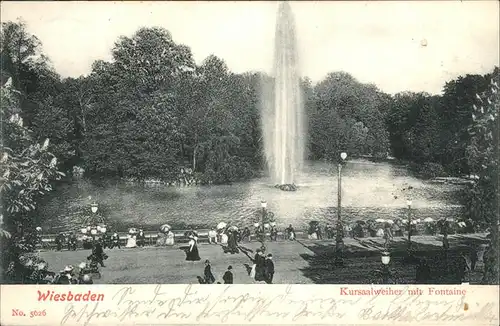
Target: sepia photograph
273	142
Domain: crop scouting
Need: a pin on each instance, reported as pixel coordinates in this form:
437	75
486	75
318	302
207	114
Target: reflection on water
369	190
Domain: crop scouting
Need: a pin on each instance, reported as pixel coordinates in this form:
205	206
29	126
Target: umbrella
233	228
165	228
428	219
380	220
221	225
461	224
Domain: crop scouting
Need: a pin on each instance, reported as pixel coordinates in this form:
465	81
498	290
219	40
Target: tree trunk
491	261
194	158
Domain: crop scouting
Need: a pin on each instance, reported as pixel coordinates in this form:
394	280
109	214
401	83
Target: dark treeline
152	110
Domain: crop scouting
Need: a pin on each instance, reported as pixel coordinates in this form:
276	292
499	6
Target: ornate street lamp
408	203
339	242
262	232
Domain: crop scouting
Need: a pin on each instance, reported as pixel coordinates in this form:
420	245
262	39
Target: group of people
263	267
209	278
85	270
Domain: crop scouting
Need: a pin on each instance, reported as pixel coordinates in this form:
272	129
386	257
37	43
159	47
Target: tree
29	168
345	115
483	156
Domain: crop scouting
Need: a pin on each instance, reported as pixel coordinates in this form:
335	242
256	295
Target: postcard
276	162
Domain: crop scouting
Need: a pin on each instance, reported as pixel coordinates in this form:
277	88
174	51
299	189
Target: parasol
380	220
165	228
233	228
428	219
221	225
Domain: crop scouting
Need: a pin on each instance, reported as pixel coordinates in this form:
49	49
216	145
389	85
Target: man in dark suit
98	253
269	269
228	276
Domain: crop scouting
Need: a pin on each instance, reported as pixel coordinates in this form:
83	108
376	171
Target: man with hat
269	269
228	276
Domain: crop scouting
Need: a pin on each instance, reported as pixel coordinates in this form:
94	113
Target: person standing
246	234
228	276
115	241
290	232
269	269
59	241
259	261
98	253
233	246
212	236
141	238
273	233
387	235
192	252
209	277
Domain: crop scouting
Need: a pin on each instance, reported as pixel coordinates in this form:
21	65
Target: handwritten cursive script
213	304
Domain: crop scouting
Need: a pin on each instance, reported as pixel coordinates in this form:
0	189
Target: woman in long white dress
131	241
223	238
170	238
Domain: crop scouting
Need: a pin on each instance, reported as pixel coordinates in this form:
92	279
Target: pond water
369	191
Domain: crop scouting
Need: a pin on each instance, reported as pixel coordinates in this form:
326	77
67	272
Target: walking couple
263	267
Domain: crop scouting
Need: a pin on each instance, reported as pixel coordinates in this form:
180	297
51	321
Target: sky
396	45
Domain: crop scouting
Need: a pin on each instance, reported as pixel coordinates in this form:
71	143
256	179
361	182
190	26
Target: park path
297	262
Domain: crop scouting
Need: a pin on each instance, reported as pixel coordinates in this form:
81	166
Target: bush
431	170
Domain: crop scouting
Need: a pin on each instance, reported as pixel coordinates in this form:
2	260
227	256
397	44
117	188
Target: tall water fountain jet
283	116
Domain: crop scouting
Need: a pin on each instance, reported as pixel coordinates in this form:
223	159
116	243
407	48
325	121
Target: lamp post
94	208
263	204
339	241
386	259
408	202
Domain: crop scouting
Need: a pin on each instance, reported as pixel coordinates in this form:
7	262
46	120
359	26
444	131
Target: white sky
376	42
